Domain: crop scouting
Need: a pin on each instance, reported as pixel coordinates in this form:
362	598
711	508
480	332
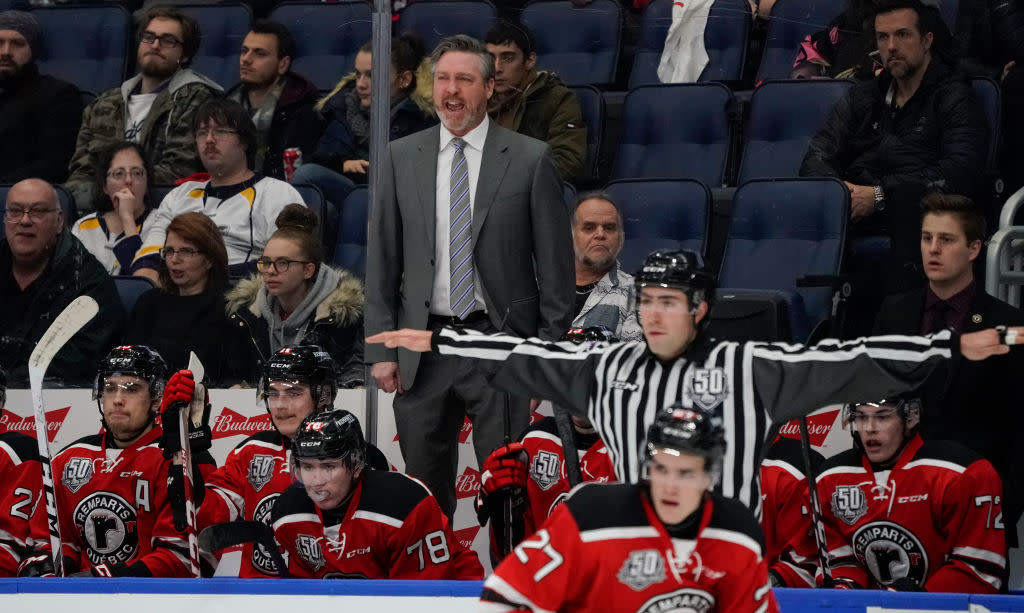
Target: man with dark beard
604	293
915	128
154	108
39	115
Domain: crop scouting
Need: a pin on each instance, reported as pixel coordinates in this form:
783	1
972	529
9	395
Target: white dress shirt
440	302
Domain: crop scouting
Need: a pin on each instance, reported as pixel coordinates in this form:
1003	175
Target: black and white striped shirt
753	385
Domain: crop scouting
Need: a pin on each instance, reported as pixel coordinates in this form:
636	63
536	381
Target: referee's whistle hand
413	340
984	343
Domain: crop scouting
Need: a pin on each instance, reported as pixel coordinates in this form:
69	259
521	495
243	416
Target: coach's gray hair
466	44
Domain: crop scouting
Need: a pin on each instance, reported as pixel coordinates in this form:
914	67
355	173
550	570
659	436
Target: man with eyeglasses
244	204
39	114
42	269
154	108
905	514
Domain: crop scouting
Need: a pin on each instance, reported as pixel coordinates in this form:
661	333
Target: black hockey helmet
333	435
307	364
693	431
132	360
598	334
682	270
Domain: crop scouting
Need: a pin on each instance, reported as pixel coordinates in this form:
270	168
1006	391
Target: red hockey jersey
606	550
934	519
113	506
392	528
23	527
790	549
253	476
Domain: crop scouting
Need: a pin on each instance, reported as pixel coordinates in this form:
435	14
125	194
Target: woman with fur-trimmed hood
296	299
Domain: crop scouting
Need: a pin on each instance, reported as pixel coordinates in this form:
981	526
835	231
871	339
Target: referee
621	386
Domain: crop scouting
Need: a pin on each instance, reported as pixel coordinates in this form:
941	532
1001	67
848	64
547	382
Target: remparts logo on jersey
260	556
686	600
890	552
109	525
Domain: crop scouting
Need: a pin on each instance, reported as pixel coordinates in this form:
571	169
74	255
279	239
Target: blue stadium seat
783	230
86	45
592	106
129	288
328	36
434	20
949	9
661	214
64	198
224	27
87	97
784	117
569	195
327	214
675	132
578	43
725	40
791	21
350	247
990	98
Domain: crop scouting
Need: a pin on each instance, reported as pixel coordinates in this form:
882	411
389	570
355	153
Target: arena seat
991	101
223	27
593	109
328	35
675	132
350	245
791	21
85	45
661	214
578	43
725	40
436	19
129	288
783	230
569	195
784	117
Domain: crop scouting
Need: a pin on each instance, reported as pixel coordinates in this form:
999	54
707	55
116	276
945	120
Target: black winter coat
72	272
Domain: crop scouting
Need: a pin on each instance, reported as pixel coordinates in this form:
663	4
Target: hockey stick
563	422
72	319
234	533
816	518
183	460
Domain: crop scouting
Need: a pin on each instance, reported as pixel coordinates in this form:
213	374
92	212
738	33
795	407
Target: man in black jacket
39	115
914	128
974	403
279	101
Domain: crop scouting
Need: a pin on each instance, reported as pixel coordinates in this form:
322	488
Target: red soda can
292	160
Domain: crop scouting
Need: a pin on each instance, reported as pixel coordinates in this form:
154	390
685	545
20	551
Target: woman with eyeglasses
187	312
114	232
296	298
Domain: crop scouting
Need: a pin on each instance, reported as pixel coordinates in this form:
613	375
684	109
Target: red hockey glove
505	468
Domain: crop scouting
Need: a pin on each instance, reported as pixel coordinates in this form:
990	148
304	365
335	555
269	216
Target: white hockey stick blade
72	319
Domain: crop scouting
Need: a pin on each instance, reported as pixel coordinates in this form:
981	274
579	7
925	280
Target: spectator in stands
915	128
605	295
42	269
535	102
39	115
910	515
974	403
279	100
154	108
341	160
298	299
187	312
123	202
242	203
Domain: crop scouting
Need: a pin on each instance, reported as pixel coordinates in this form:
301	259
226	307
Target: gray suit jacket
522	241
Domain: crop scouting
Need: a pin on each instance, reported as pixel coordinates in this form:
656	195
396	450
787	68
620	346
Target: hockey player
620	386
299	380
341	520
112	503
790	549
907	514
23	530
666	544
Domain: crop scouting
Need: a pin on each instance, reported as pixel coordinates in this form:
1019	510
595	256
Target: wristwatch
879	198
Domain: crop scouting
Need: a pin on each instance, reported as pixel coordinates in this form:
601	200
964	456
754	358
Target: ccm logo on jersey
619	384
914	498
357	552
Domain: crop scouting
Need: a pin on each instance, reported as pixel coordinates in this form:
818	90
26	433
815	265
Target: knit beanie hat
25	24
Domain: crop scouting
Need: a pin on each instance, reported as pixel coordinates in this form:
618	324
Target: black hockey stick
234	533
73	318
563	421
816	518
507	535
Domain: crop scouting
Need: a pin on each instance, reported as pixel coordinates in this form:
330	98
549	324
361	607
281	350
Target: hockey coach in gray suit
468	228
